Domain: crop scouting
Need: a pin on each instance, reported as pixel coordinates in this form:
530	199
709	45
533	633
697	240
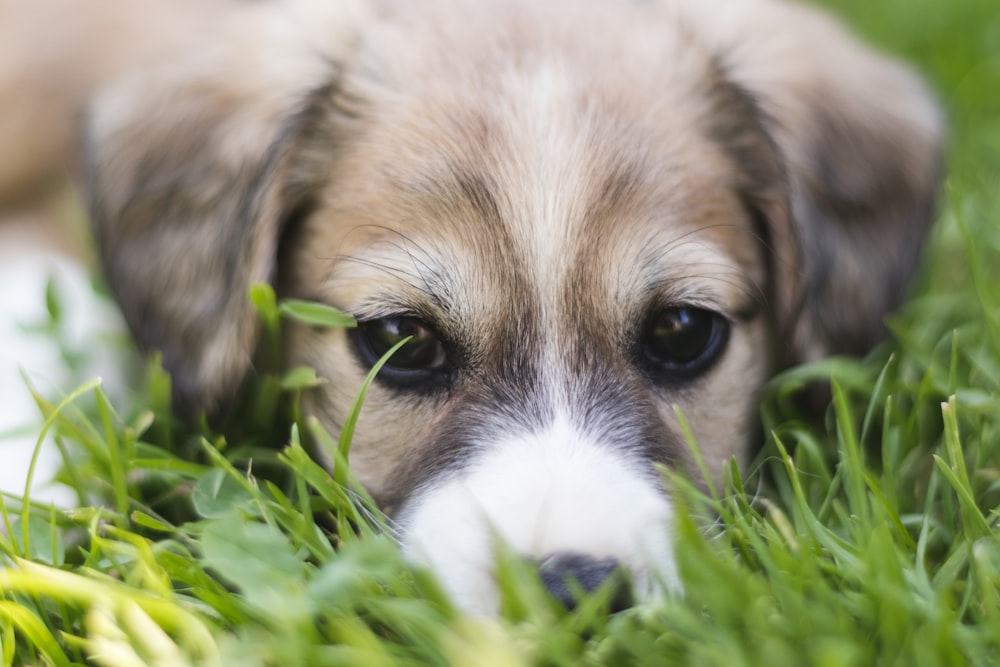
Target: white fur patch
542	493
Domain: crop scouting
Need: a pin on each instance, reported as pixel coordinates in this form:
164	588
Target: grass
876	542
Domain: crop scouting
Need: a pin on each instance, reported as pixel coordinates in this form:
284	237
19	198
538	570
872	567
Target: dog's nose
559	570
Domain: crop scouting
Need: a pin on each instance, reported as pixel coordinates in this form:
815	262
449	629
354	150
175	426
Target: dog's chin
543	496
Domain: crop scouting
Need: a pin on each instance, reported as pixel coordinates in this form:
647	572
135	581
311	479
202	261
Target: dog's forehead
531	173
538	213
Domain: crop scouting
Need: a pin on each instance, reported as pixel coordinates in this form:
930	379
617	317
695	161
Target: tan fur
391	195
553	169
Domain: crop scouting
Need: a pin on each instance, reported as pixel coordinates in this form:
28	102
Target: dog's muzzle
579	510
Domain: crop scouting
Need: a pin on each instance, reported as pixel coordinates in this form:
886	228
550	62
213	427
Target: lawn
869	537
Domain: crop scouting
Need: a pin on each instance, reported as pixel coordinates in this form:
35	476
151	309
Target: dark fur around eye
420	365
677	344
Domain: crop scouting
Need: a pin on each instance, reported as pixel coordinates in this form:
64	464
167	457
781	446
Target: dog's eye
684	341
418	361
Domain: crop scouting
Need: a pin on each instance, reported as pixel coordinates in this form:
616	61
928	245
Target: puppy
587	215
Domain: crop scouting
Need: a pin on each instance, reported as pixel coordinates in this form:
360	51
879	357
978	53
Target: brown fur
532	180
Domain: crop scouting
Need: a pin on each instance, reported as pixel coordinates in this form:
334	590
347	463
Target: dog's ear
190	174
860	138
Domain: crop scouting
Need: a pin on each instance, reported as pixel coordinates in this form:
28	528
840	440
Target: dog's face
587	225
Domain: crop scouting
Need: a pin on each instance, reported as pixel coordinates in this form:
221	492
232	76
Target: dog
586	216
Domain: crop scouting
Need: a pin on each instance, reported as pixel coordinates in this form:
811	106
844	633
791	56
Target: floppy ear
860	137
190	175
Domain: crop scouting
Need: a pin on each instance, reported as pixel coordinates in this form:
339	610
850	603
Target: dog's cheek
390	426
552	492
722	410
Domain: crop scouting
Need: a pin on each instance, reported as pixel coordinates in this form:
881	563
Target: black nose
566	574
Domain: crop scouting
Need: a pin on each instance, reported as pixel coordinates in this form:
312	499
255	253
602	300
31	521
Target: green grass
876	541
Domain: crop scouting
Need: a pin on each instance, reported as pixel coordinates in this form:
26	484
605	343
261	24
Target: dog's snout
567	574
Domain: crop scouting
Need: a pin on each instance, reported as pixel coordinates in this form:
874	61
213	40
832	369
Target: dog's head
587	216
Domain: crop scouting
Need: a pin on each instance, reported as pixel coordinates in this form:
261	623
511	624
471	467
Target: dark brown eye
683	341
421	361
